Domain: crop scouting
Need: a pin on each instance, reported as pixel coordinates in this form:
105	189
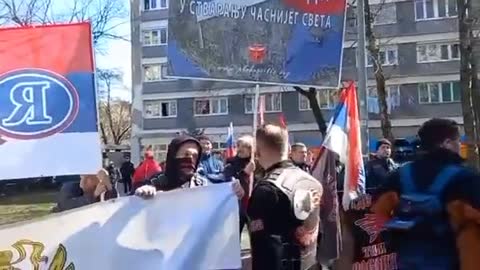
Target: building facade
419	53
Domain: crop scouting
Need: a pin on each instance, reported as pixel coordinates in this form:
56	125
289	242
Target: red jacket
148	168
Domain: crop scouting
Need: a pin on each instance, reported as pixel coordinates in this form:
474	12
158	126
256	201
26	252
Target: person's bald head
272	144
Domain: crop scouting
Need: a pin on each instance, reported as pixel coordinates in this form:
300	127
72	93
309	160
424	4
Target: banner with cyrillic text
195	229
282	42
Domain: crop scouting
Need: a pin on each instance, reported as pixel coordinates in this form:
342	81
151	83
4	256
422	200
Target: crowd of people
431	205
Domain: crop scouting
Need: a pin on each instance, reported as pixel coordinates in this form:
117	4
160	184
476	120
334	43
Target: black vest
300	242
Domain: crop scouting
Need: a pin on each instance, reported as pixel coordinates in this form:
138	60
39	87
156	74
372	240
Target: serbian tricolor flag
343	138
230	151
341	141
48	108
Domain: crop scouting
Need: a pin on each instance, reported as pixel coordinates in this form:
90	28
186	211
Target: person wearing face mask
432	205
180	170
242	167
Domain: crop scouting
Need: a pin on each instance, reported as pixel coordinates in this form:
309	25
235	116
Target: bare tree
104	15
374	54
470	97
115	115
115	122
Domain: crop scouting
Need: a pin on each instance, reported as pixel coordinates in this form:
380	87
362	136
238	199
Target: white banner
195	229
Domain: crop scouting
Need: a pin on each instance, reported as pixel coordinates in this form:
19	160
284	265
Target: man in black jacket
299	155
380	164
126	170
283	208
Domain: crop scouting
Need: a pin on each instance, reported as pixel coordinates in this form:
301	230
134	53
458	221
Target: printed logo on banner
372	225
33	252
36	103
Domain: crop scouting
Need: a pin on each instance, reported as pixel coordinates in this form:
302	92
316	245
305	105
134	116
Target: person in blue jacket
210	167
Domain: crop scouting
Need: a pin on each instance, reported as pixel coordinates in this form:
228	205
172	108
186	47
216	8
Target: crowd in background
432	202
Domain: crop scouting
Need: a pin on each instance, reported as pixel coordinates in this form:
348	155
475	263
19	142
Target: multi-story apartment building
419	52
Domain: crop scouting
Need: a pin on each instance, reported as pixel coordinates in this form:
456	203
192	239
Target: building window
437	52
211	106
152	72
387	56
327	99
155	37
273	102
163	72
351	17
444	92
160	152
393	98
384	14
218	146
432	9
155	4
160	108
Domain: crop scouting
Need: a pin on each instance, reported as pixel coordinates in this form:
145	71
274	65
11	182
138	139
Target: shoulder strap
443	178
406	178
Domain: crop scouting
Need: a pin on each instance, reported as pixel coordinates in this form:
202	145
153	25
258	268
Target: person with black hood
180	170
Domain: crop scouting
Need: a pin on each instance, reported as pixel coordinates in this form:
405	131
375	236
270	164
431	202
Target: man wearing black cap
380	164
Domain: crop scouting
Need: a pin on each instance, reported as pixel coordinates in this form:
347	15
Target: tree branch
311	95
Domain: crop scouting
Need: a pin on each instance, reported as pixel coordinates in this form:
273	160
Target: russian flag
343	138
230	151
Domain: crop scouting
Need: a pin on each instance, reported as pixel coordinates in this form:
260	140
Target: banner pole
254	130
255	109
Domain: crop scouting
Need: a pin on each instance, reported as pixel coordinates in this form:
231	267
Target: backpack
423	237
421	210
